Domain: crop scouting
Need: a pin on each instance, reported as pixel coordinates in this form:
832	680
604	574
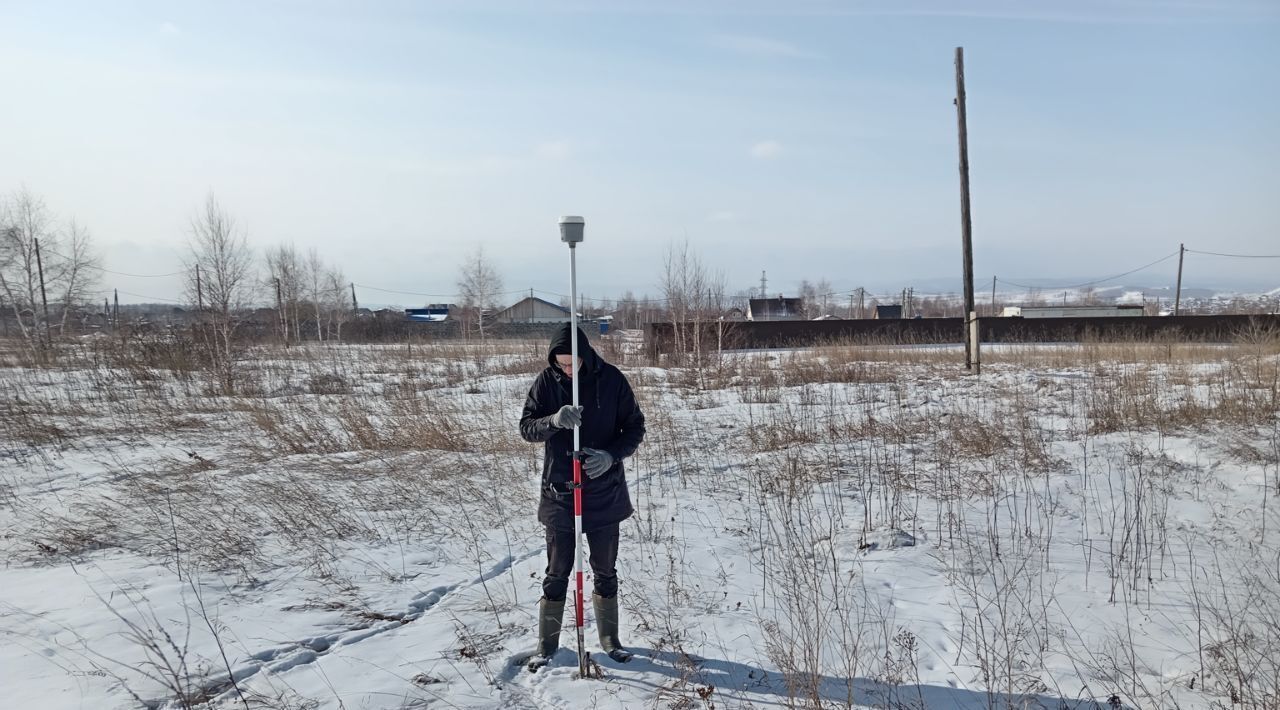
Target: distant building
779	308
1121	311
433	313
532	310
888	312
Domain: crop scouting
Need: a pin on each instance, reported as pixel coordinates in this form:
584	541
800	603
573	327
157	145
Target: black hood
561	339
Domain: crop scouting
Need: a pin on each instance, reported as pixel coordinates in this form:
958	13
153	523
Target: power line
431	295
152	298
600	300
120	273
407	293
136	276
1236	256
646	301
1096	281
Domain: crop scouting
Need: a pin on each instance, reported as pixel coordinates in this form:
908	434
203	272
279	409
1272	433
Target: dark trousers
602	545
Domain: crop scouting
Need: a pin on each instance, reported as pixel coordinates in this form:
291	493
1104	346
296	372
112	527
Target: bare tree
626	313
78	269
479	285
338	301
314	268
30	244
23	221
808	296
816	297
222	253
821	297
694	296
682	277
285	279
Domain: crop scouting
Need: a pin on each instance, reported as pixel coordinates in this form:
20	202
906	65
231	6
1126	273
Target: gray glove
568	417
596	462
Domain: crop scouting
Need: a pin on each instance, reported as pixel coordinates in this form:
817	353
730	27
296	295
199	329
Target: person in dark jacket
611	427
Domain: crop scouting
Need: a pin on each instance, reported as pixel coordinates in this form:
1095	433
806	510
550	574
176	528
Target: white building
1072	311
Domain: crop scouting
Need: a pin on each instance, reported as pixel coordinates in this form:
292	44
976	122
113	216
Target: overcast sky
809	139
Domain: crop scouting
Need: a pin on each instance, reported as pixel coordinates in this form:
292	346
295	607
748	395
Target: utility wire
1236	256
1090	283
118	273
432	295
136	276
406	293
599	300
152	298
646	301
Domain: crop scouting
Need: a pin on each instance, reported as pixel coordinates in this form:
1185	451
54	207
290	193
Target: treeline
47	270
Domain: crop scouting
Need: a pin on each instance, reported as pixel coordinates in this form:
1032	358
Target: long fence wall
745	335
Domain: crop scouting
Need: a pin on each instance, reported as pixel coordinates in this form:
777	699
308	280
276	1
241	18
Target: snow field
840	527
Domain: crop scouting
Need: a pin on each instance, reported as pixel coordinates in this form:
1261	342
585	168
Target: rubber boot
607	623
550	618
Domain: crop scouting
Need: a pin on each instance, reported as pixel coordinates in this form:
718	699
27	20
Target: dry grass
318	447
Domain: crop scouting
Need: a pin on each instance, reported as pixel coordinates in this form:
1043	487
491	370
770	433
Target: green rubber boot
550	618
607	624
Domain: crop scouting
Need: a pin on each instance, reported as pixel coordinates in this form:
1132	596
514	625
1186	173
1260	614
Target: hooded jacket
611	420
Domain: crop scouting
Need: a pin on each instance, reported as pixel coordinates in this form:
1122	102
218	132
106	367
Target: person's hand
568	417
596	462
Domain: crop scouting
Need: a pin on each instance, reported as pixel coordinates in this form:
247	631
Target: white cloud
168	28
766	149
553	150
759	46
722	216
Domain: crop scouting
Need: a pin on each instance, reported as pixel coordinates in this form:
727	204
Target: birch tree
221	250
66	258
23	222
694	295
479	286
338	304
78	270
285	278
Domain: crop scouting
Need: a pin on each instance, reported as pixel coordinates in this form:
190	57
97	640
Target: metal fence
747	335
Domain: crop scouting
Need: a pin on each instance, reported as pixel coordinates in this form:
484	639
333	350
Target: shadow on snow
728	680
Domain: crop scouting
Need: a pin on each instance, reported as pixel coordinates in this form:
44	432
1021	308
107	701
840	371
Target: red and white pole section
577	460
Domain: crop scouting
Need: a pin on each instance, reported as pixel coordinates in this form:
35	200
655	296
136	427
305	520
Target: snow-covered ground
1077	527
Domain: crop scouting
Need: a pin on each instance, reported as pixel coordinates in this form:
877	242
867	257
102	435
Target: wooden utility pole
355	305
966	223
1177	298
993	297
862	293
284	322
115	314
44	300
199	292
